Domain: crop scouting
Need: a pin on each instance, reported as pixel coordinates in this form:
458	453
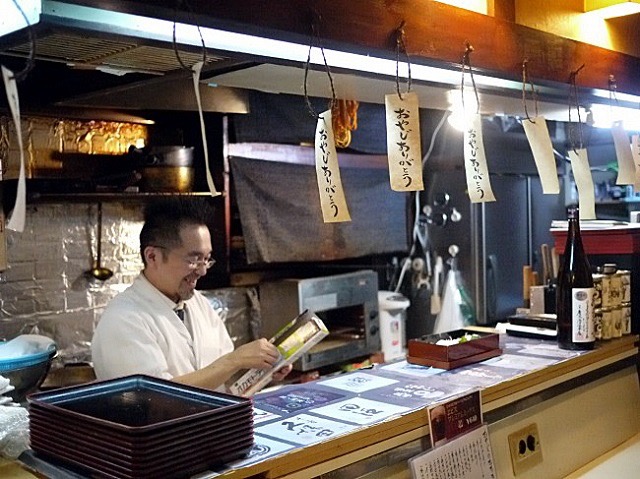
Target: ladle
98	271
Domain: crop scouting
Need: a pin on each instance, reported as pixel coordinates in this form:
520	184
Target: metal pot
170	156
167	179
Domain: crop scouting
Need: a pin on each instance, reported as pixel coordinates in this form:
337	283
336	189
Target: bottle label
583	319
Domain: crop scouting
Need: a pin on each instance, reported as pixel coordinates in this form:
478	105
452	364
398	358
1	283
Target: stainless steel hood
143	73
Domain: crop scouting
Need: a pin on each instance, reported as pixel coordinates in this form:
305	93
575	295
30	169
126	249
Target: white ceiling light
612	8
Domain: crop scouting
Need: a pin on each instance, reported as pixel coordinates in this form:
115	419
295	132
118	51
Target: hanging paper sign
17	220
584	183
196	70
542	149
332	199
635	154
475	162
626	167
403	142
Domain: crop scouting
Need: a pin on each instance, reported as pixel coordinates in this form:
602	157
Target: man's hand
260	354
281	373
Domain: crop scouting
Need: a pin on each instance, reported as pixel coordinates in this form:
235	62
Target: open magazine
293	340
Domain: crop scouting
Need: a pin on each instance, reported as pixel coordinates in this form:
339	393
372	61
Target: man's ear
151	254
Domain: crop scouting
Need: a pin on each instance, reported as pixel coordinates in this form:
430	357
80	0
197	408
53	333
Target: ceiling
97	67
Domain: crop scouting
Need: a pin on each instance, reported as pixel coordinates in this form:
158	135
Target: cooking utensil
98	271
436	303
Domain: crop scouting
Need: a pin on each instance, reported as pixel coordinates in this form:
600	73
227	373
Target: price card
584	182
468	457
626	167
455	417
475	162
635	153
542	149
332	197
403	142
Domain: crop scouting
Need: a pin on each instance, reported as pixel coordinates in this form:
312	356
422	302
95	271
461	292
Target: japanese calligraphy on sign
403	142
626	166
468	457
584	182
332	198
635	153
475	163
542	149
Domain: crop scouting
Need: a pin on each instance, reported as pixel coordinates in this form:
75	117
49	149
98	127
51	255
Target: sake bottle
575	292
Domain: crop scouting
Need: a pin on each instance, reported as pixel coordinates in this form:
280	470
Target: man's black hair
164	218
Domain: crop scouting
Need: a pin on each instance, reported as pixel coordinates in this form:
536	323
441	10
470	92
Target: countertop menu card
467	457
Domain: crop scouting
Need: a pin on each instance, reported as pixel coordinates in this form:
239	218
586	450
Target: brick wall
45	289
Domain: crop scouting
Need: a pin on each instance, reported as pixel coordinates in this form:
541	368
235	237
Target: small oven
346	303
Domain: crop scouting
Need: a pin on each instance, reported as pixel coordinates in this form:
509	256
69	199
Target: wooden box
426	352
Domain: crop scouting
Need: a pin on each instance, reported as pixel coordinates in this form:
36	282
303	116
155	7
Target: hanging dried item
344	114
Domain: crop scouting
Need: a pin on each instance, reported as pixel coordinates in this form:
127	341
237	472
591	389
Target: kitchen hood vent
108	54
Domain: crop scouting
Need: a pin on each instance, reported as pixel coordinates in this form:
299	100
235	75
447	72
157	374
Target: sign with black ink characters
467	457
455	417
357	382
360	410
295	399
332	197
475	162
403	142
304	429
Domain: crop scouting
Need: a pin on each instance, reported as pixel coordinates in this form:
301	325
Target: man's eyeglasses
194	261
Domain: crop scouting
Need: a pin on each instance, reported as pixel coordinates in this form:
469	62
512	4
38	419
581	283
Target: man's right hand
260	354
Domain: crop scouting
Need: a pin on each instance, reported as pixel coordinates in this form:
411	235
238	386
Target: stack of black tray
140	427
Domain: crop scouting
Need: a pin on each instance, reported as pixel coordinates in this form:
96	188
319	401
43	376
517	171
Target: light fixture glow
611	8
461	111
12	20
605	115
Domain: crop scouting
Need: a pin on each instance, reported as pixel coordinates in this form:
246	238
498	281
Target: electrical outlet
525	448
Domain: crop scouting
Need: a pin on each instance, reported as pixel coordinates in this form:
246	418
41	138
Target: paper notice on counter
468	457
475	162
196	70
584	182
635	154
17	220
542	149
457	416
403	142
626	166
332	197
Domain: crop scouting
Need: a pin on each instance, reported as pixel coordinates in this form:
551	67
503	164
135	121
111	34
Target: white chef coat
140	333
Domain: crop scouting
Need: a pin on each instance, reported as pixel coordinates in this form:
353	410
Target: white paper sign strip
403	142
635	154
196	70
17	220
584	182
542	149
475	162
626	167
332	199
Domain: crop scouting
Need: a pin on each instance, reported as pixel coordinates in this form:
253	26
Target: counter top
337	421
526	367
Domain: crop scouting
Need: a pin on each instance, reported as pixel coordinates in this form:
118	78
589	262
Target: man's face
175	272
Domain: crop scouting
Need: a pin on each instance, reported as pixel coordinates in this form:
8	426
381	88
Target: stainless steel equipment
347	303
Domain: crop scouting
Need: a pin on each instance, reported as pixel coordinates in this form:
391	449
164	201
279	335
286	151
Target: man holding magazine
161	326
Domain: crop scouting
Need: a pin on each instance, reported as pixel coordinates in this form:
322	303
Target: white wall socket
525	448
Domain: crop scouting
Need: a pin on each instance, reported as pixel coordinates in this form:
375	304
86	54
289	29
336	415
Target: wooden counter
595	393
413	427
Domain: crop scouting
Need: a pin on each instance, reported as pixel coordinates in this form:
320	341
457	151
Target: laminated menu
292	341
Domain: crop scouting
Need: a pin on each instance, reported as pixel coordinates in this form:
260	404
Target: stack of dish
140	427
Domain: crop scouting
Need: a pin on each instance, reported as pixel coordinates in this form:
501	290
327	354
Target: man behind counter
141	332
